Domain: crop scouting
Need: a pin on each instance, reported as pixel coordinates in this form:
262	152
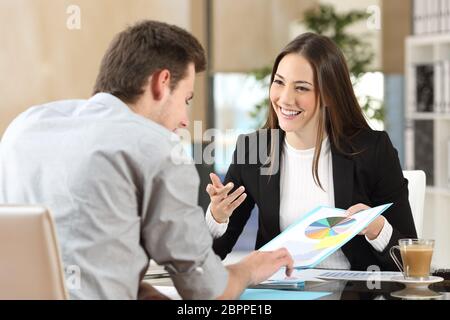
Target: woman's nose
287	97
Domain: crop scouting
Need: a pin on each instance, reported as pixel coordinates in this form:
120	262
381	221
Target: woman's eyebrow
299	81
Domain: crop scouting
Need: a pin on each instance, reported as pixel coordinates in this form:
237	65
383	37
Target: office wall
42	60
248	34
396	27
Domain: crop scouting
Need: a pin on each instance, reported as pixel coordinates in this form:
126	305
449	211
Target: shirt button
199	270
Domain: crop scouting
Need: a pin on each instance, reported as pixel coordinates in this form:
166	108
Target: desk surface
359	290
354	290
341	290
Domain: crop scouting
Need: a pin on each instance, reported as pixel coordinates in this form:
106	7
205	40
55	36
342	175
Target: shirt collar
108	99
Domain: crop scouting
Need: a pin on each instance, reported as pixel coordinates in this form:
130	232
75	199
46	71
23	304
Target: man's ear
160	84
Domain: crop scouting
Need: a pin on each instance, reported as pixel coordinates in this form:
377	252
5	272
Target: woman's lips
289	113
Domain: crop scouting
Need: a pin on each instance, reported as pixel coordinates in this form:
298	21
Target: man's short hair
143	49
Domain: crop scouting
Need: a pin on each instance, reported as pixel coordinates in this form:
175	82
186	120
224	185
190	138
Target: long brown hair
340	114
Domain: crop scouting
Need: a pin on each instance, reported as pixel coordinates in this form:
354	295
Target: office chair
30	262
416	189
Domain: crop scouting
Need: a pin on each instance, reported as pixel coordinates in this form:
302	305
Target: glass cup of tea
416	257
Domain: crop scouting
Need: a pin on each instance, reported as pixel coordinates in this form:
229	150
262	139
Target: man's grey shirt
121	191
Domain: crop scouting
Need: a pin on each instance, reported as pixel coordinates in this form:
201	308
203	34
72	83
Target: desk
341	290
358	290
349	290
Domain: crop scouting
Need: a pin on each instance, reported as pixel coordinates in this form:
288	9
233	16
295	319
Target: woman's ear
160	84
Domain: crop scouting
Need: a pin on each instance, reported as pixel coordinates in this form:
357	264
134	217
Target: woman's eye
279	82
302	89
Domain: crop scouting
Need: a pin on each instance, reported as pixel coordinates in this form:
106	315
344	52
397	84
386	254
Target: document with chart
321	232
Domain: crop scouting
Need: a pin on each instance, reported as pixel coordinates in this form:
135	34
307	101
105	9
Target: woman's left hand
374	228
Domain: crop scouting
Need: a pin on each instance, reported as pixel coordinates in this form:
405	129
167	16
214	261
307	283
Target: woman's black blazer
372	176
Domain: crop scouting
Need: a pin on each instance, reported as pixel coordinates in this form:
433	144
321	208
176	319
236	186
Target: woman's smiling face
293	95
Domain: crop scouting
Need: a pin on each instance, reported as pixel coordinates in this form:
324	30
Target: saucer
420	293
409	283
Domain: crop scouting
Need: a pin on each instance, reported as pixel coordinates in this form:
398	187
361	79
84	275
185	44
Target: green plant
326	21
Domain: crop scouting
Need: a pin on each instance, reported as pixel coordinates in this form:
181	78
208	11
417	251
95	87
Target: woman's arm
224	244
391	186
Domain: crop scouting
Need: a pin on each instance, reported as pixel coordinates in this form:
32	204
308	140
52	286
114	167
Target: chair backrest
30	262
416	188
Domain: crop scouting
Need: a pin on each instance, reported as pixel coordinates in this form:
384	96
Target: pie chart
328	227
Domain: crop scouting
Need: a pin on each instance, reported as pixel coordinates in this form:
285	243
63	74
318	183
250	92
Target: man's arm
259	264
175	235
254	269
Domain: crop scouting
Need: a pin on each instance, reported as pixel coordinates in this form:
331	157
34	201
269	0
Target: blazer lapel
269	188
343	176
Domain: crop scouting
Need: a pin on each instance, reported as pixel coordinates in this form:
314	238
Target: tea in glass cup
416	257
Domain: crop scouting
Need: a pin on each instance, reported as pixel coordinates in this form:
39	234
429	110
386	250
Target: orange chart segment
328	227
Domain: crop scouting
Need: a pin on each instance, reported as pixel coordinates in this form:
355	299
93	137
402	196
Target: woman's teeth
289	113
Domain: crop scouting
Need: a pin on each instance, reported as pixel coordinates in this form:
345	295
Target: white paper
381	276
296	276
323	275
321	232
169	291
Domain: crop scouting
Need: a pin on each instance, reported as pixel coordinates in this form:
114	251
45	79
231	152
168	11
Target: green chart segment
328	227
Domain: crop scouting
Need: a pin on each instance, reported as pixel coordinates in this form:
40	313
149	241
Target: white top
299	194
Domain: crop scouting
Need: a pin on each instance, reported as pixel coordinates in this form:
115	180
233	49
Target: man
107	170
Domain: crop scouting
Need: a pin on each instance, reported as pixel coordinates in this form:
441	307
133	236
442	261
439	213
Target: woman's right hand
223	204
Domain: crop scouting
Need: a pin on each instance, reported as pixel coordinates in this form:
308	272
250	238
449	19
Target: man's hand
254	269
262	265
374	228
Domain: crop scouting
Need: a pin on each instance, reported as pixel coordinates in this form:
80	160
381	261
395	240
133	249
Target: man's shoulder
107	124
36	114
40	110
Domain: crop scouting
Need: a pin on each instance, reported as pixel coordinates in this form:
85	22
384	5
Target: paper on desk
169	291
381	276
330	274
297	276
256	294
268	294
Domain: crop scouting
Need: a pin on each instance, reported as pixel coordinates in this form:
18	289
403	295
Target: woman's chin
288	126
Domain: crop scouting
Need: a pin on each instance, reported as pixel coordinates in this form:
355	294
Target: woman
324	153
